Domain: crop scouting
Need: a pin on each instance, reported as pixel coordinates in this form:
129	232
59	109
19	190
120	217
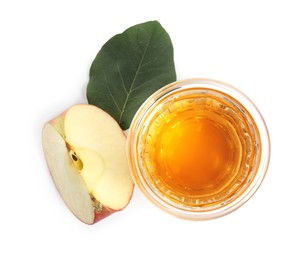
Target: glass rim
187	212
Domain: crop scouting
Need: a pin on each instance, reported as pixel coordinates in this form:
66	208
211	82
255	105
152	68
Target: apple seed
76	160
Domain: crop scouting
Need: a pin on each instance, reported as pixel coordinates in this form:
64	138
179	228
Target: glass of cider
198	148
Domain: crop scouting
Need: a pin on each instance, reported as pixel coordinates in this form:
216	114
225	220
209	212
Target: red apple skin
105	212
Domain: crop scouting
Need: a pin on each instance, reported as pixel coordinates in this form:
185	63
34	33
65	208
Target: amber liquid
198	150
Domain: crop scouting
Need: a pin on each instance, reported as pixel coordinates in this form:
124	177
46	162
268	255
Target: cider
198	149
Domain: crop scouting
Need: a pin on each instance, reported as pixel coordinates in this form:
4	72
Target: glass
198	148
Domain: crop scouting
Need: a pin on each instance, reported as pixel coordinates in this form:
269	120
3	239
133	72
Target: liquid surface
194	155
194	150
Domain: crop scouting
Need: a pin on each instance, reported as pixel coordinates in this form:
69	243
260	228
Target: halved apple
85	150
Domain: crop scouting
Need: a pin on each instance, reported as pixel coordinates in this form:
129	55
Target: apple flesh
85	150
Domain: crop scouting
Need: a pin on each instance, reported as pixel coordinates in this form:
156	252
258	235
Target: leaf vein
123	84
134	79
111	94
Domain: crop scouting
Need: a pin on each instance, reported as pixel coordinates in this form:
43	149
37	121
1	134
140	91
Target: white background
46	49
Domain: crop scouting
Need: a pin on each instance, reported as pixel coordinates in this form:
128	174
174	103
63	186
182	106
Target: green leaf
129	68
